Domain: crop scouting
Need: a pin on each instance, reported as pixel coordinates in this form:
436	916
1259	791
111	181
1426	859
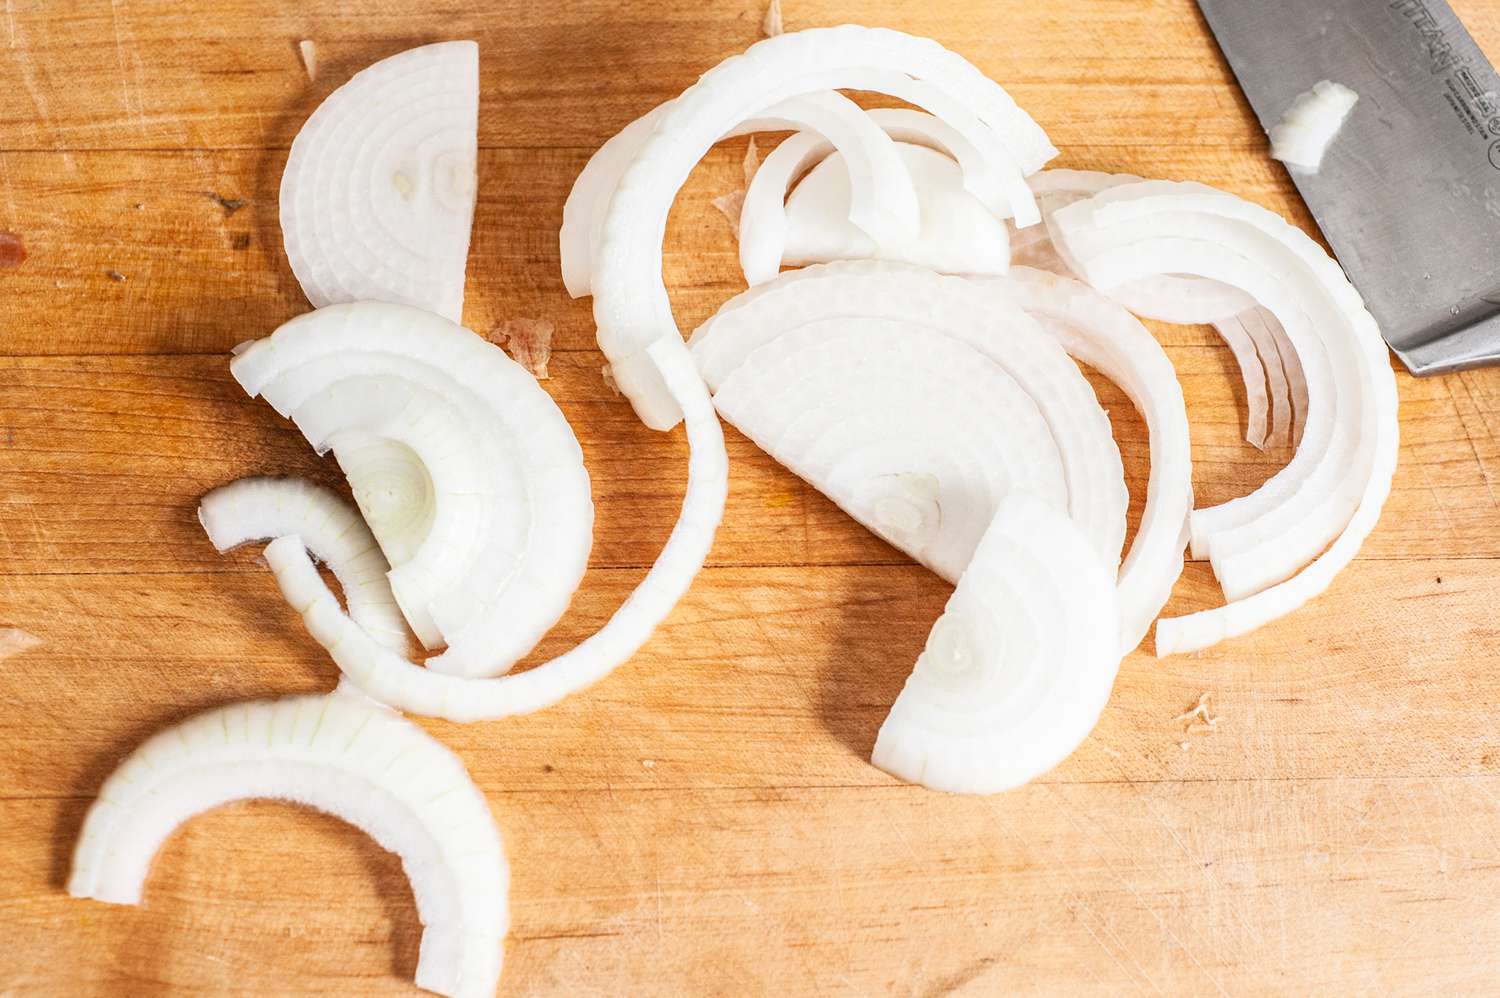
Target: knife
1408	194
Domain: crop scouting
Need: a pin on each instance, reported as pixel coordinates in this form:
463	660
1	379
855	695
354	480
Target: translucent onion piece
391	679
1101	333
377	199
1019	666
339	754
882	203
854	293
867	409
631	308
1259	391
260	509
1330	494
958	235
1310	125
1255	325
511	515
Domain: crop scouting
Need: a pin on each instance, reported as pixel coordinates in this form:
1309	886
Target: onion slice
1019	666
261	509
631	308
391	679
1101	333
339	754
1284	543
1310	125
854	294
377	198
466	438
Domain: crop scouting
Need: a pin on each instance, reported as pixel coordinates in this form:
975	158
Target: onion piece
1101	333
392	679
489	459
339	754
259	509
377	198
852	294
1265	406
1330	494
631	308
1019	666
1310	125
958	236
1257	324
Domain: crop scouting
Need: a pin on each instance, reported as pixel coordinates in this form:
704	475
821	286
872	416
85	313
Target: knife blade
1408	194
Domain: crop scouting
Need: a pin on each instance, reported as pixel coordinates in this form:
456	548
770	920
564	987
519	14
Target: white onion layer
339	754
261	509
377	198
511	516
1310	125
1019	666
631	307
1283	544
392	679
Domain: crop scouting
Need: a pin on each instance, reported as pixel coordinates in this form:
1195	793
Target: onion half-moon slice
1101	333
340	754
1283	544
262	509
499	479
1019	666
392	679
851	295
631	308
377	198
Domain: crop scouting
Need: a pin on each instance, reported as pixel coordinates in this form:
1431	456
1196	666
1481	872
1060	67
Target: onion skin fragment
1019	666
390	678
340	754
377	198
262	509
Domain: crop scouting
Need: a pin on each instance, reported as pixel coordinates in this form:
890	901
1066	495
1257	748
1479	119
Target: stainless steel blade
1408	194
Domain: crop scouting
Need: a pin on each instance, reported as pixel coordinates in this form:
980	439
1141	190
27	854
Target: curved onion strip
510	494
866	409
882	204
990	185
339	754
260	509
857	291
1019	666
1100	333
631	308
1291	369
377	199
1310	125
1337	481
392	679
1254	322
958	236
763	216
1261	395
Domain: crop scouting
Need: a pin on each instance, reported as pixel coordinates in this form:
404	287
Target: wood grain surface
704	821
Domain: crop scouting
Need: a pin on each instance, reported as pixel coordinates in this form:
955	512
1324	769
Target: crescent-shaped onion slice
851	294
391	679
340	754
1101	333
499	475
262	509
377	198
631	307
1019	666
1283	544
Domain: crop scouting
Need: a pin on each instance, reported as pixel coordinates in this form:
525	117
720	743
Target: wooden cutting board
703	821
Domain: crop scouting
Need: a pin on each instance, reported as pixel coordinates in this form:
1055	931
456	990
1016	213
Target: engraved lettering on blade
1439	49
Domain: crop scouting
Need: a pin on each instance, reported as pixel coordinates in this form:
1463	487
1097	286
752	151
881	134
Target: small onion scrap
377	198
336	753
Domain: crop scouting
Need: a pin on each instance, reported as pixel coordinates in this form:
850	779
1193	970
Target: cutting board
704	821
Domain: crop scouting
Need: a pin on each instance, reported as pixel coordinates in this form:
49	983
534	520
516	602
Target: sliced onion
1265	406
392	679
1330	494
958	236
377	199
339	754
631	307
1310	124
260	509
1019	666
1100	333
854	295
488	458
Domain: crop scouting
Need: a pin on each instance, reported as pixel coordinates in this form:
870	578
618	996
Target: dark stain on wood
12	250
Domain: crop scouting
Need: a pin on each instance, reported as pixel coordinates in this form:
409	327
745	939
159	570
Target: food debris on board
771	25
230	205
529	343
116	276
308	49
1200	719
14	641
731	204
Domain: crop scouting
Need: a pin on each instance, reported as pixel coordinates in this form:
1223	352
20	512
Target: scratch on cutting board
14	641
10	19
